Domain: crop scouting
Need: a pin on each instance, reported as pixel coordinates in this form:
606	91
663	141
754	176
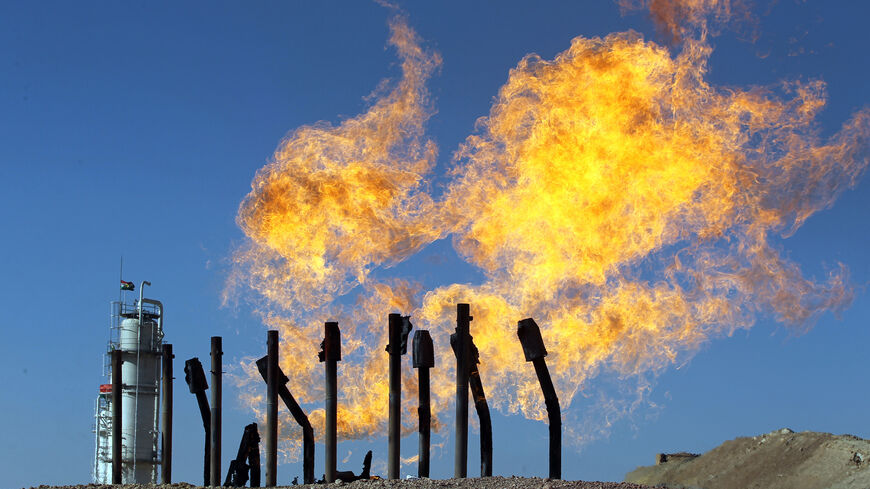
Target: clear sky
136	129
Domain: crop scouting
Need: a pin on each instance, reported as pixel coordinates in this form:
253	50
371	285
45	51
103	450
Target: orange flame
676	19
611	193
359	182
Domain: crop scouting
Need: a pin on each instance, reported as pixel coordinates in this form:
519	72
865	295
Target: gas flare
337	200
611	193
677	19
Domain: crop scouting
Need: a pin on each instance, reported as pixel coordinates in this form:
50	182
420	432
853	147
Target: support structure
423	360
116	417
166	414
461	340
216	373
195	378
330	355
272	408
300	417
534	351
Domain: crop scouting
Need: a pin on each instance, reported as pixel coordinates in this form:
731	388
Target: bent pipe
482	408
480	404
195	378
533	349
300	417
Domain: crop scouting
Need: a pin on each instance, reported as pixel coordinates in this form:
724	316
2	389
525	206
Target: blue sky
135	129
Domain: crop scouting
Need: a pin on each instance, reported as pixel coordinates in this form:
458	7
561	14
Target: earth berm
781	459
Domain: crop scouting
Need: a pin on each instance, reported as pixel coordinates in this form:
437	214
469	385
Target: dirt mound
780	459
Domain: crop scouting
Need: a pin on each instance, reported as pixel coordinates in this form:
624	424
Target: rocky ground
477	483
780	459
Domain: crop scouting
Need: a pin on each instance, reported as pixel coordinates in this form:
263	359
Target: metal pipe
331	355
116	417
206	424
216	372
138	389
460	342
300	417
166	414
395	404
142	285
254	463
482	408
272	409
423	360
534	351
160	306
480	404
196	382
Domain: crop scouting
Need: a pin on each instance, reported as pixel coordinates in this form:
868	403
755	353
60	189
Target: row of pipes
467	377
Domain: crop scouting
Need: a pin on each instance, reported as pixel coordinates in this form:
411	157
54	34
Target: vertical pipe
331	355
425	415
272	409
116	417
166	414
533	348
461	341
423	359
395	420
331	426
216	371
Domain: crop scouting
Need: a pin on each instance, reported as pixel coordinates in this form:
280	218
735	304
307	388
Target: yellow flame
329	186
611	193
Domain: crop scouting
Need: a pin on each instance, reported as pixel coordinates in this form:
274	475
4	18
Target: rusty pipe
533	349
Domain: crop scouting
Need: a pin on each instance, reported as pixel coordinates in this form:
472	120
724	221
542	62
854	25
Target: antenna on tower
121	277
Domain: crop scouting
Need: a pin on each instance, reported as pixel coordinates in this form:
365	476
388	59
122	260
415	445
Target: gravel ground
478	483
